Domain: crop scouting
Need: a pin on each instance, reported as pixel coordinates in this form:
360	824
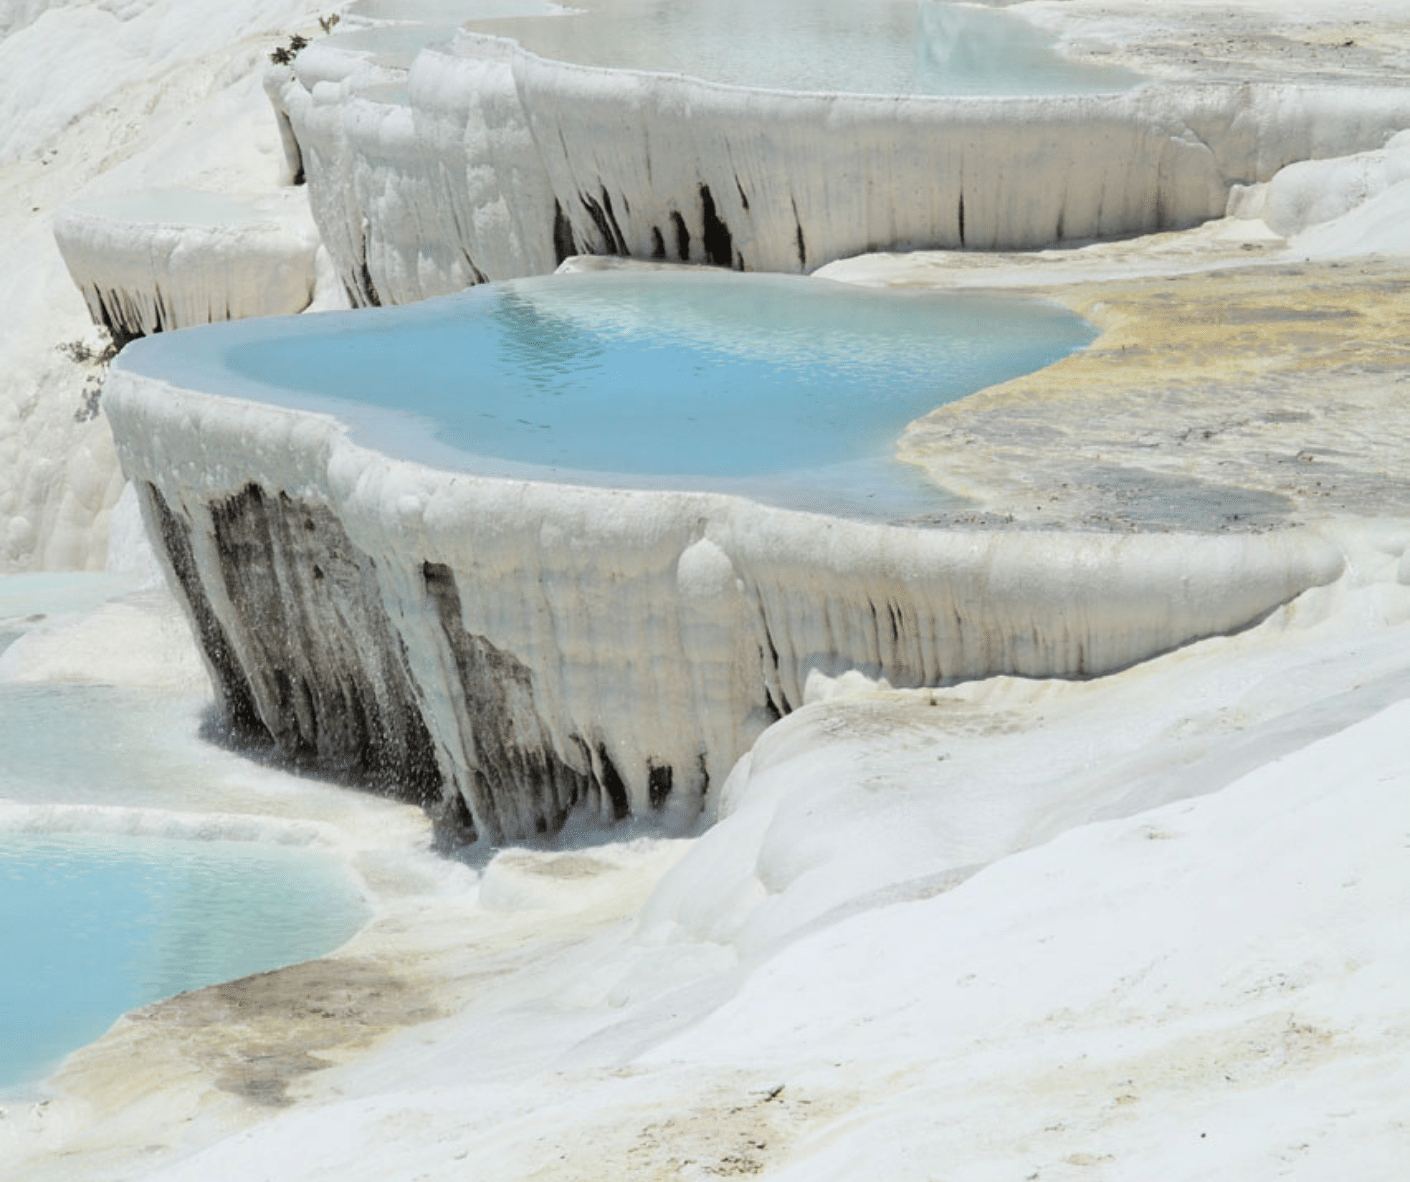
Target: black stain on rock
607	228
367	290
476	275
119	316
658	244
233	695
517	784
323	665
366	294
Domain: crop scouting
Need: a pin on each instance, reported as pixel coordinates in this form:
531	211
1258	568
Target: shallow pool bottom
136	859
94	925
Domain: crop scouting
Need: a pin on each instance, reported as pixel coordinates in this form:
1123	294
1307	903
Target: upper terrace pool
790	390
901	47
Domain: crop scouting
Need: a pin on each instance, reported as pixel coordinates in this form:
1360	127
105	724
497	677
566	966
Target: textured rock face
296	637
157	261
548	647
487	162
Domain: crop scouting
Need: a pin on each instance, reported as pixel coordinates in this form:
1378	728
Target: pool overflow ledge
515	651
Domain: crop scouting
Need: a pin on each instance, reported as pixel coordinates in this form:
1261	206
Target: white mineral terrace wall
171	266
518	649
485	161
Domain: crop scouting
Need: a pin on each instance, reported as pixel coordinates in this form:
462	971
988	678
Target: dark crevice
771	707
658	244
961	219
618	238
715	235
801	245
370	297
564	246
743	200
368	293
780	705
610	240
612	784
121	328
476	274
658	785
682	236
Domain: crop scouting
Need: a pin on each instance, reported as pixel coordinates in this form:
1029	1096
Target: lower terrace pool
127	873
94	925
787	389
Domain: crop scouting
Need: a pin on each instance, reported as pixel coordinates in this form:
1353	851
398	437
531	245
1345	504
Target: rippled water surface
93	925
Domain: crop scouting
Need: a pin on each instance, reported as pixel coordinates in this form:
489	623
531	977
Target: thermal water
901	47
93	925
788	389
128	870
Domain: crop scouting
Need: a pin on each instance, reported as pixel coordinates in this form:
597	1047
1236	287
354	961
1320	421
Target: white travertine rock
492	162
1311	192
160	260
560	645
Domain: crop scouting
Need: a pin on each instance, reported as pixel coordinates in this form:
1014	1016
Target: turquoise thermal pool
787	389
127	871
901	47
93	925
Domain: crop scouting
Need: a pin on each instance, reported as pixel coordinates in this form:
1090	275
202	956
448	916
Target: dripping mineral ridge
1057	832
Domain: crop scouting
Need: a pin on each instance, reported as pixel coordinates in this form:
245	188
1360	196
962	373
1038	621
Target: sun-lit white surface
1223	968
1211	990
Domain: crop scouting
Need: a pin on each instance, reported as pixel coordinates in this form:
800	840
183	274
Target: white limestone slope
911	945
169	96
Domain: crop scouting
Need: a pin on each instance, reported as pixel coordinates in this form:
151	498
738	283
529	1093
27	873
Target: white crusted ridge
559	645
485	161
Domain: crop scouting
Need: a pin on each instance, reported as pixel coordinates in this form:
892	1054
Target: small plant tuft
95	359
283	55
